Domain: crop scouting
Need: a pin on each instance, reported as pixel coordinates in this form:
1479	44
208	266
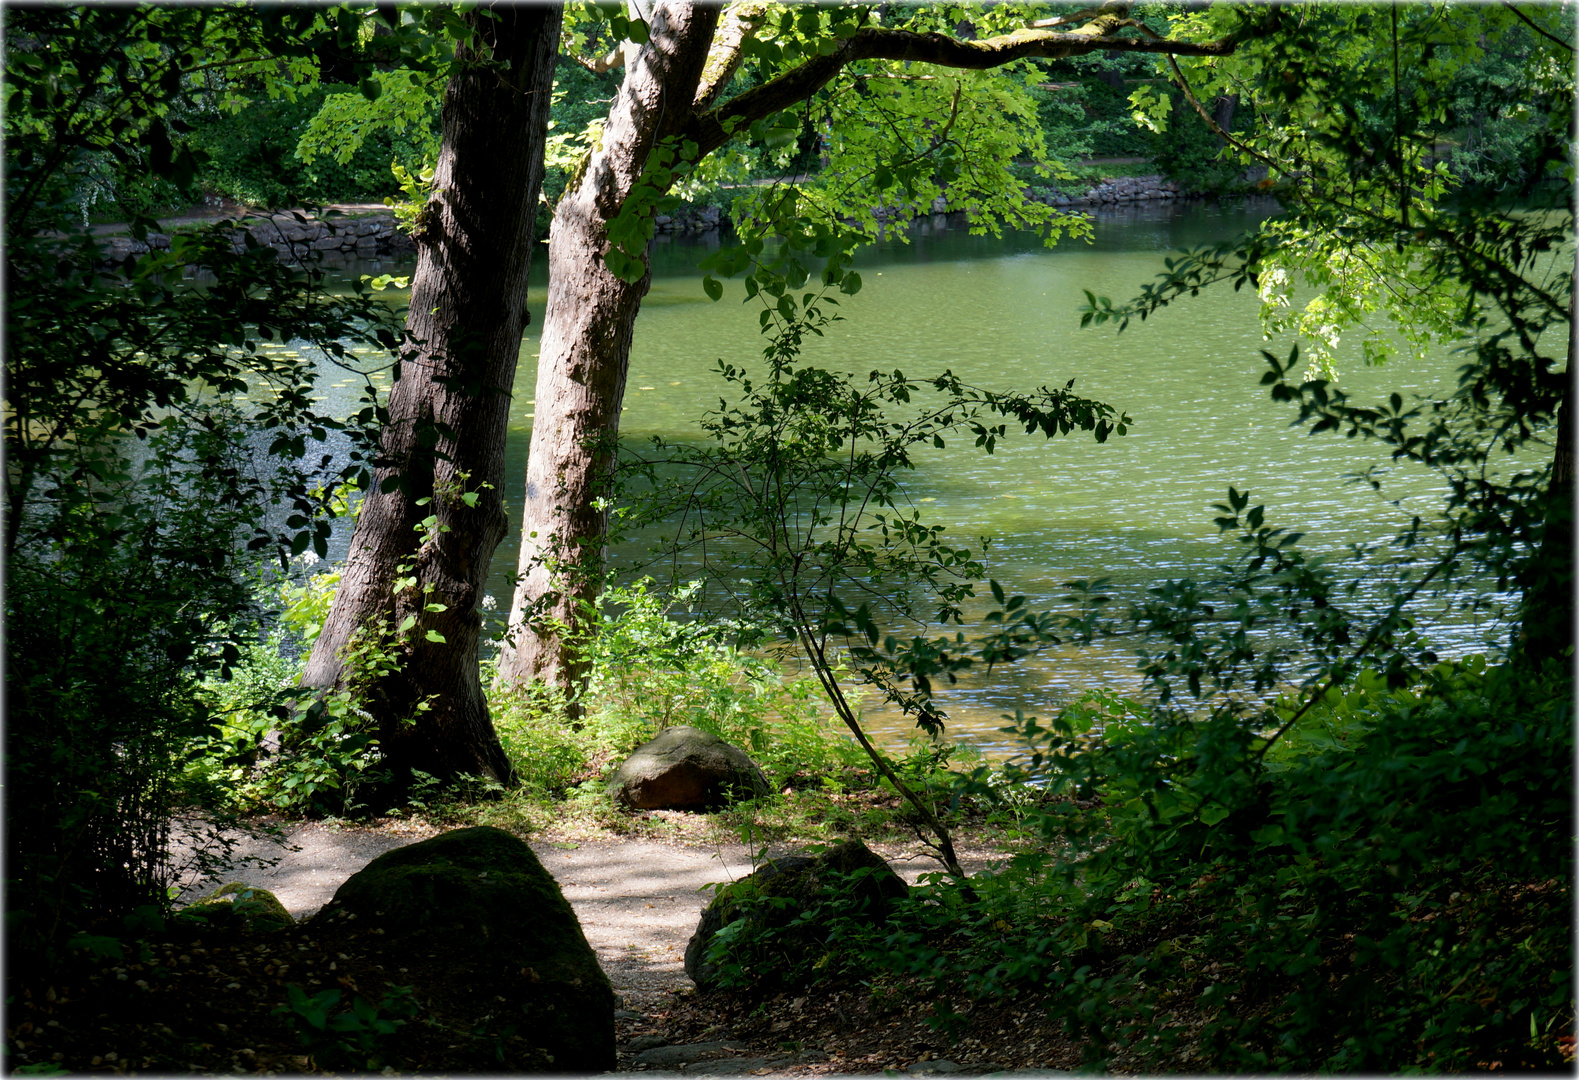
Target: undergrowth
1382	886
1386	889
651	671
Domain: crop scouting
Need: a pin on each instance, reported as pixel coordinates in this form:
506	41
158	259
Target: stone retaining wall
689	219
1118	190
338	240
331	240
1124	189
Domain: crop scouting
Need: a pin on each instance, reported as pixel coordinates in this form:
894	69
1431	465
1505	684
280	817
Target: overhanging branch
712	129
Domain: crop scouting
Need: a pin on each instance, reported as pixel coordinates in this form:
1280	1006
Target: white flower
488	602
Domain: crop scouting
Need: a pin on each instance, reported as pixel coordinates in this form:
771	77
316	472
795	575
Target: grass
830	808
1095	172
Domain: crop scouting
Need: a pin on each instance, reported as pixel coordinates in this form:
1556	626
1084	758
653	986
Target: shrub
278	745
111	606
1386	891
549	755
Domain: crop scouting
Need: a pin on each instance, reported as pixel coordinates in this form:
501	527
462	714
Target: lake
1003	313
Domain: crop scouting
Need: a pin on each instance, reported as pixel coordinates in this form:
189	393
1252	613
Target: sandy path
638	900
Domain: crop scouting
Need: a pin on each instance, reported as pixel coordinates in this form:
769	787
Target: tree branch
608	62
712	129
1217	129
1525	19
740	23
1065	20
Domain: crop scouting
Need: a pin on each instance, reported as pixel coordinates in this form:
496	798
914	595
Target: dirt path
638	900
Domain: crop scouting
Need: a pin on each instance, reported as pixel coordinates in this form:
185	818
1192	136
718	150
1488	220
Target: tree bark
585	354
448	417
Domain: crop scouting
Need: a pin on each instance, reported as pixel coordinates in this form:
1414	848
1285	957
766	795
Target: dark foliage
1372	871
251	156
152	428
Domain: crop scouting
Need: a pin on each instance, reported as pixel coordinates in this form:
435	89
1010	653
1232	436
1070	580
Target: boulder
478	902
801	880
237	906
685	768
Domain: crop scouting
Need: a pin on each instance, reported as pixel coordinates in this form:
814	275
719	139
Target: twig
1525	19
1213	124
1365	647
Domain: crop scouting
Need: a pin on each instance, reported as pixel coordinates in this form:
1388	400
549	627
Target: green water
1003	313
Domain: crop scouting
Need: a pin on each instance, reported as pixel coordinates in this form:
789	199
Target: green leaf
713	287
436	637
100	947
1268	835
1211	815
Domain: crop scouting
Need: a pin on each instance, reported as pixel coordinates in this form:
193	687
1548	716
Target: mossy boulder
478	904
237	906
841	882
686	768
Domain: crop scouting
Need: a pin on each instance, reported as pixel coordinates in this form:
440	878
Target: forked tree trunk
468	312
670	89
585	354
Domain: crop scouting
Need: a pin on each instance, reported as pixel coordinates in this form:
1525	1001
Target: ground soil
204	1002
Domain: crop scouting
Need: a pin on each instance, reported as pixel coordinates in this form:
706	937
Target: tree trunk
1547	626
585	355
448	416
1223	111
